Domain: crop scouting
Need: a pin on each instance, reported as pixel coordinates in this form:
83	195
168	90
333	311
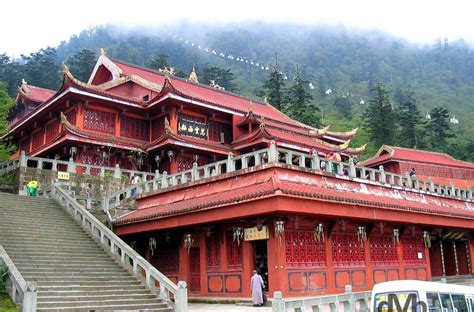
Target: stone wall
81	184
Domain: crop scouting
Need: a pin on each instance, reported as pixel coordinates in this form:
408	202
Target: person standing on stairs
31	188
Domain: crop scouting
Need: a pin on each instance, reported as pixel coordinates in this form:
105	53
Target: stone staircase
72	271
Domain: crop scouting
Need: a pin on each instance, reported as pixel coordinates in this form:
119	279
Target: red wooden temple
307	231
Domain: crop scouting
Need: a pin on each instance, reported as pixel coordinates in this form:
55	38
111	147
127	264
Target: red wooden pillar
401	264
248	263
277	277
174	119
201	244
80	115
369	279
184	264
330	274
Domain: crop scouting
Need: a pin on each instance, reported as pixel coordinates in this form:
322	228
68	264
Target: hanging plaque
192	128
251	234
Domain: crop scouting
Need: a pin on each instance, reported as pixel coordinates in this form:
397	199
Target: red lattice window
38	139
213	254
166	259
234	253
347	250
302	250
383	250
90	158
186	162
215	130
99	121
71	116
134	128
25	145
412	247
52	129
157	127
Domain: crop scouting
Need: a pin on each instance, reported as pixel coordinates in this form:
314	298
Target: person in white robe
256	287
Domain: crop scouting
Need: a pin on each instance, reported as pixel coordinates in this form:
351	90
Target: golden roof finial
102	52
345	145
66	70
193	76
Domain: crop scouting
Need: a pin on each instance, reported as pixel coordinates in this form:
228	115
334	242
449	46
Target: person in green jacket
31	188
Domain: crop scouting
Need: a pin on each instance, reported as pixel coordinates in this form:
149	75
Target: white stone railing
342	170
22	292
349	302
128	257
72	167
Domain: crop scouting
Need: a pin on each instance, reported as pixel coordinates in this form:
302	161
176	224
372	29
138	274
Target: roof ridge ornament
102	52
250	106
262	122
168	71
193	76
345	145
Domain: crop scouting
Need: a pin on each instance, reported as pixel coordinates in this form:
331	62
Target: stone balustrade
349	302
22	292
122	252
320	165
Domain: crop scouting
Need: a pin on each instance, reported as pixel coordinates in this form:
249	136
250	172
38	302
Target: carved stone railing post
315	163
117	172
350	306
30	297
409	181
469	193
352	168
272	153
23	161
164	179
278	304
329	166
230	165
431	185
181	300
194	172
71	166
382	176
54	166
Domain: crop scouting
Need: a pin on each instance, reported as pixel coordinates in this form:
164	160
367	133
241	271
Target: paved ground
208	307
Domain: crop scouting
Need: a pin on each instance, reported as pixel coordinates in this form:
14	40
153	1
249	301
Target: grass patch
6	304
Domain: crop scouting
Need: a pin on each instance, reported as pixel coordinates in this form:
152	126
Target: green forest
396	92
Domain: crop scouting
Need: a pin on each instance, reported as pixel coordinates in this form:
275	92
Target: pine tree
300	105
81	64
343	105
41	69
438	129
379	117
274	87
408	119
159	61
6	103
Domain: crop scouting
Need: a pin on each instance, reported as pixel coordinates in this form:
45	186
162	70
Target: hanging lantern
427	239
238	234
152	245
188	241
170	155
361	234
168	237
279	228
319	232
396	236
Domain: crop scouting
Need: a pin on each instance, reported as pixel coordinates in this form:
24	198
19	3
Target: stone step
74	275
96	291
103	284
109	307
54	248
73	269
40	239
57	262
95	297
90	288
104	303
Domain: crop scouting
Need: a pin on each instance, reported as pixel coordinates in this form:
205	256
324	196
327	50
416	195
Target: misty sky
28	25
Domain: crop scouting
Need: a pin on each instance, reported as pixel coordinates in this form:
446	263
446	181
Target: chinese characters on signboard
192	128
251	234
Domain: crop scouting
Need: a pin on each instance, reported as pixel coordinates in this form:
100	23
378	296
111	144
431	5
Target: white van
419	296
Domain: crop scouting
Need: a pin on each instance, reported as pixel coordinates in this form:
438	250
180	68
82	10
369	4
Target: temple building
269	199
144	119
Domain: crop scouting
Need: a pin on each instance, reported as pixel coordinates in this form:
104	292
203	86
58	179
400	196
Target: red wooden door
195	271
449	262
463	260
435	259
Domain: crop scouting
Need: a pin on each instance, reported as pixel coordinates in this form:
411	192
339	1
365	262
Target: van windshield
396	301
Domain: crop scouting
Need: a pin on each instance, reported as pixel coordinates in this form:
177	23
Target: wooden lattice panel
383	250
347	250
302	250
234	253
